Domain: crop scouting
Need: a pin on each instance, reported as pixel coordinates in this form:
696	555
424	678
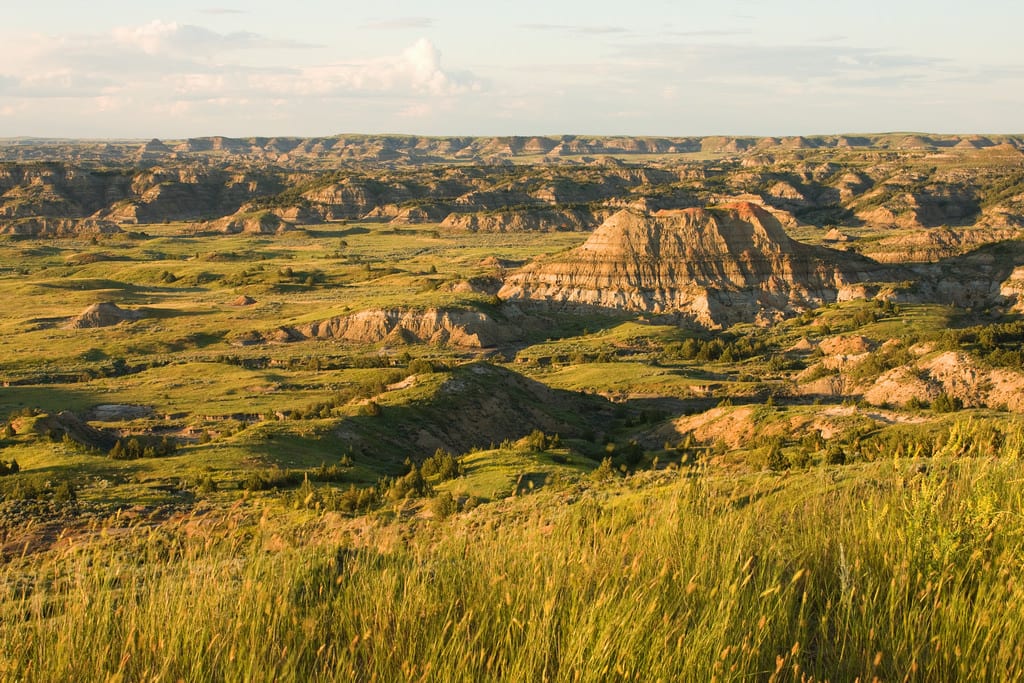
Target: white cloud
167	71
171	38
194	62
417	70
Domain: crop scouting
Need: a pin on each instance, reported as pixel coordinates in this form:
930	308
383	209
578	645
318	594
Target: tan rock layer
955	374
718	266
457	327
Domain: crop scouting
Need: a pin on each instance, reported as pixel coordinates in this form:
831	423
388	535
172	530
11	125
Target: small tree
835	455
604	471
945	403
777	461
537	441
444	505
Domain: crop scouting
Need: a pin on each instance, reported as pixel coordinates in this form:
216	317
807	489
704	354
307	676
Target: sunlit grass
832	574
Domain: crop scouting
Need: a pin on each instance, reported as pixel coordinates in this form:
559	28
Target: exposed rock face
1012	289
902	202
260	223
850	345
69	424
718	266
297	215
308	181
102	315
525	221
982	278
929	246
457	327
344	200
389	148
58	227
955	374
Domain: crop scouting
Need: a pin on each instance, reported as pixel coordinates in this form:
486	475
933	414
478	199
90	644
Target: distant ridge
425	149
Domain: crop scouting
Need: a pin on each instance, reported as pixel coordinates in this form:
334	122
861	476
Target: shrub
442	464
271	479
354	500
916	403
444	506
539	441
801	458
412	485
329	473
142	447
777	461
945	403
420	366
834	455
370	409
604	471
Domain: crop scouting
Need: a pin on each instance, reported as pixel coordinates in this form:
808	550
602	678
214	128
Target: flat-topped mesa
717	266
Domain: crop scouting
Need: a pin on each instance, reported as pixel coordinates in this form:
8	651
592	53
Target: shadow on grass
478	406
337	233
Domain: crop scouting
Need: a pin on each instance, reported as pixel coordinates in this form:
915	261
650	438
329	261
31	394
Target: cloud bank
176	79
192	79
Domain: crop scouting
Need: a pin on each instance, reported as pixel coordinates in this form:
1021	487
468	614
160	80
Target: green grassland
607	497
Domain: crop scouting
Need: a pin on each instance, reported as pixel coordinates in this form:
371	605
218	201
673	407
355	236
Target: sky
189	68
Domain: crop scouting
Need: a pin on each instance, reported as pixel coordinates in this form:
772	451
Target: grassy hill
896	569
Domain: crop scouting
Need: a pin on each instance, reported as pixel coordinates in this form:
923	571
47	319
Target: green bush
777	460
945	403
444	506
605	471
443	465
136	447
835	455
274	478
420	366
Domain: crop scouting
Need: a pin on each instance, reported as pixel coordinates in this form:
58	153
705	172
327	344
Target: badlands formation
732	263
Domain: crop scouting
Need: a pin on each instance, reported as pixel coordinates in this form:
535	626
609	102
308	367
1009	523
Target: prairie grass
882	569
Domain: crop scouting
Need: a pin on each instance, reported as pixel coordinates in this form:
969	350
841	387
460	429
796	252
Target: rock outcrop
1012	290
58	227
259	223
455	327
102	315
952	373
543	220
716	266
930	246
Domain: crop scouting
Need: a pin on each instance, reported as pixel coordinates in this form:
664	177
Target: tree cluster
137	447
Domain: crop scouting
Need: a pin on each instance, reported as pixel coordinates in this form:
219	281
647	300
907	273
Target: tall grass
866	571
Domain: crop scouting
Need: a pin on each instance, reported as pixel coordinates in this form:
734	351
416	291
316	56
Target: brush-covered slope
719	266
472	406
